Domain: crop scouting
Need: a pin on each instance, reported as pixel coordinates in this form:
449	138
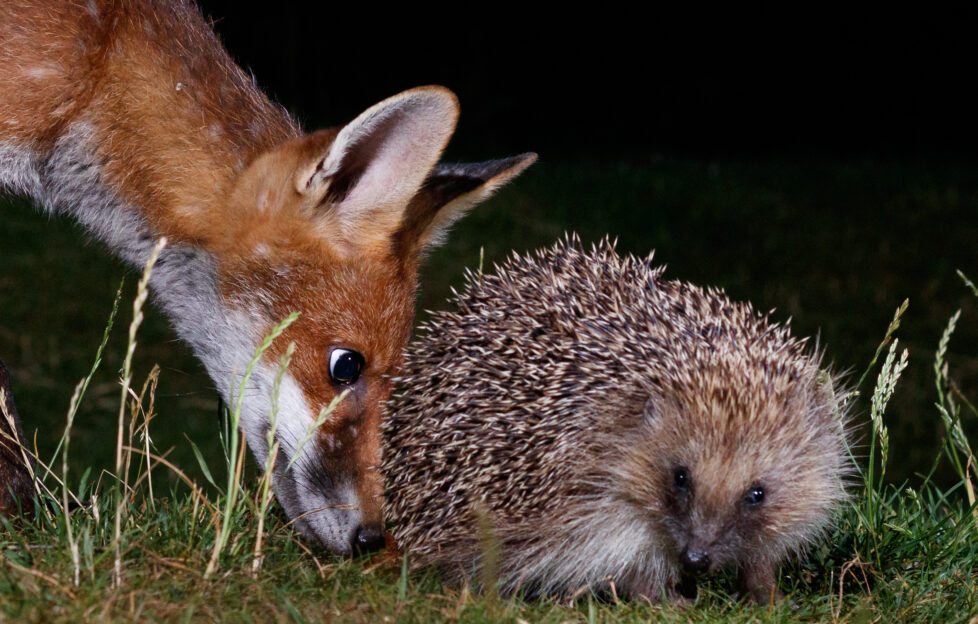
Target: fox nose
368	538
694	562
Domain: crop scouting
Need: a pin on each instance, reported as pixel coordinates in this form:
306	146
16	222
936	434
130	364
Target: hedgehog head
740	461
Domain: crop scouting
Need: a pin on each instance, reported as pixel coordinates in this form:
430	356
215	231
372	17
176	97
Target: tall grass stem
142	292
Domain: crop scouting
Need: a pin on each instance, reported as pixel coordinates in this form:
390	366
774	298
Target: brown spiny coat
609	427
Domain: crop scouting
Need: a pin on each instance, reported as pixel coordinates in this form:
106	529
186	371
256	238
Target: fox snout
368	538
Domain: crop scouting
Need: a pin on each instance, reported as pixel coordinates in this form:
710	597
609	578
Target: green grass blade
203	464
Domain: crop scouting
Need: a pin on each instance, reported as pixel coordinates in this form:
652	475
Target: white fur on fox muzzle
321	503
327	516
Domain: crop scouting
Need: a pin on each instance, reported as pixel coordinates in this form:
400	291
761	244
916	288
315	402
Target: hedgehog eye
754	496
681	478
345	366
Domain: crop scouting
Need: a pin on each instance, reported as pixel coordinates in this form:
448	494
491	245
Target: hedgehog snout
695	561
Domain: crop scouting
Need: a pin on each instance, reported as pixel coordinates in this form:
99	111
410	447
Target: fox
130	117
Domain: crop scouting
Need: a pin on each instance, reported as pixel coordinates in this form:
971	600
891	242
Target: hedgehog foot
758	582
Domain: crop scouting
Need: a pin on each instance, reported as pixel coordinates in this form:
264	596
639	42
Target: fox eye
345	366
681	478
754	496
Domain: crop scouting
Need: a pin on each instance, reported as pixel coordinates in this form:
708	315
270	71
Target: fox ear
376	164
448	194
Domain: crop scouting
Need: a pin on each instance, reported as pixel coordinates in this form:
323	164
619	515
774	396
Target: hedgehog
609	430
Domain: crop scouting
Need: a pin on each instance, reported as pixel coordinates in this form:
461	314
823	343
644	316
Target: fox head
332	225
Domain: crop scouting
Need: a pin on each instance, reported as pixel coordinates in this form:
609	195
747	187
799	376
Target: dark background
754	81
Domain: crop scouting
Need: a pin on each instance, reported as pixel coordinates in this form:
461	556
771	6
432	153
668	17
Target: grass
189	550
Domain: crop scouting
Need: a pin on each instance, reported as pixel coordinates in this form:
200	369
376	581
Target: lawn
835	245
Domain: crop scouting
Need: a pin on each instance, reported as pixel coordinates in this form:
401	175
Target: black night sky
751	82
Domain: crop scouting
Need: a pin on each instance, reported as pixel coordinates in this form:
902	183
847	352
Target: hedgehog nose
694	561
368	538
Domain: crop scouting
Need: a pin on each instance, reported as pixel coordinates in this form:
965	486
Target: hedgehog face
734	475
710	522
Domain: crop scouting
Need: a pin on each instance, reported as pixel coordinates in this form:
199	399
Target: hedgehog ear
448	194
365	179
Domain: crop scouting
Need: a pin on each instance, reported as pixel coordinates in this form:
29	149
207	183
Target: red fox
129	116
